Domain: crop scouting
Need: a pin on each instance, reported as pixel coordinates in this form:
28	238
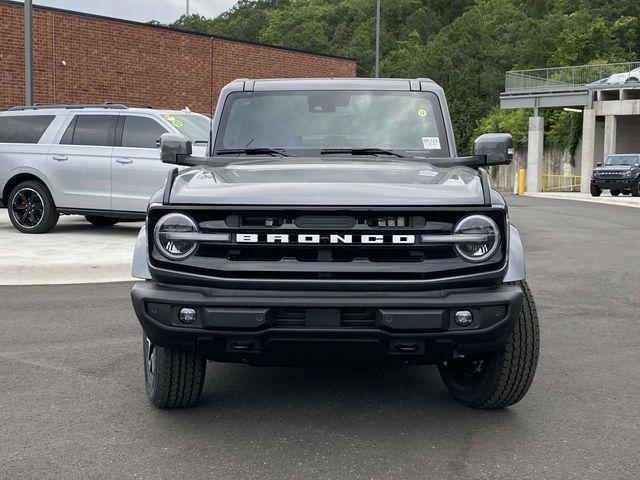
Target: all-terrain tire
595	190
31	208
502	378
635	189
99	221
173	378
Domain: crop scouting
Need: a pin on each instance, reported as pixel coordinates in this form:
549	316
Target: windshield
305	122
194	125
622	160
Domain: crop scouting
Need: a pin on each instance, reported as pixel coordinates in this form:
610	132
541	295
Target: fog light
187	315
463	318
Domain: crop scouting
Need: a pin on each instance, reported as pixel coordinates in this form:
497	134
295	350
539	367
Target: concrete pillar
535	154
588	148
610	134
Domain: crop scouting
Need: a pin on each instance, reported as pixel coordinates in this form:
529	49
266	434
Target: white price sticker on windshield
431	143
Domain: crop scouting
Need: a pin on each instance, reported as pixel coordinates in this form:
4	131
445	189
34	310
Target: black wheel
595	190
615	193
502	378
31	208
635	189
173	378
101	221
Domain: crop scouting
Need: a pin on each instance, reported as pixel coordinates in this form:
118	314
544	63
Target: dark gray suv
332	222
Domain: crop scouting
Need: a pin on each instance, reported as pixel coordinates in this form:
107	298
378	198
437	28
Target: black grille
323	261
292	317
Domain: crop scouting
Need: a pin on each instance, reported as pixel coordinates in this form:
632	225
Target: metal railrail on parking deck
560	183
562	78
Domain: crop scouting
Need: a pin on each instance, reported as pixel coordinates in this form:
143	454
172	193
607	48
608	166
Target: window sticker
176	123
428	173
169	117
431	143
422	112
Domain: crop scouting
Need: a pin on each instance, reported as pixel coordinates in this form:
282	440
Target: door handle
60	158
124	160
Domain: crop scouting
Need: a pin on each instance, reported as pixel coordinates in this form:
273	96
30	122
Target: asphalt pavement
72	402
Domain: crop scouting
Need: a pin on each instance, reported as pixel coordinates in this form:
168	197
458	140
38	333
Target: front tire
502	378
173	378
595	190
101	221
635	189
31	208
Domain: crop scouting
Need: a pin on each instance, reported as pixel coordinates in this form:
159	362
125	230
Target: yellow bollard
521	180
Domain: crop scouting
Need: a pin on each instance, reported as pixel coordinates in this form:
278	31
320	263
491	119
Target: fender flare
140	263
26	170
516	269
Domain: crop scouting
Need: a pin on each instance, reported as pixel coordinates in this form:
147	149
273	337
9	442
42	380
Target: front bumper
613	183
300	327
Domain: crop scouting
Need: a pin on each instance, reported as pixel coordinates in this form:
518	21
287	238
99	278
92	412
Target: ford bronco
620	174
333	222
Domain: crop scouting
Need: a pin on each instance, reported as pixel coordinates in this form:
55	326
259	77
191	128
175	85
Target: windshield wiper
362	151
254	151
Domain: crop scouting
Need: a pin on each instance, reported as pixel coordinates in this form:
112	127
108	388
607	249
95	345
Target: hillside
464	45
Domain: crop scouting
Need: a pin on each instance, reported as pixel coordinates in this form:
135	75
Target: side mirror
173	147
598	165
496	148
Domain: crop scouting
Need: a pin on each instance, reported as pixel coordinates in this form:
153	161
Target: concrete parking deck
73	252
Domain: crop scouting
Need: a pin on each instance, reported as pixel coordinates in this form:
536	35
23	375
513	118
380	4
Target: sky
165	11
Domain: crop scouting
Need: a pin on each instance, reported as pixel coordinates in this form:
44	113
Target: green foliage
465	45
515	122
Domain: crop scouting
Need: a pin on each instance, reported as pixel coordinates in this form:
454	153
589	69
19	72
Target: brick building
81	58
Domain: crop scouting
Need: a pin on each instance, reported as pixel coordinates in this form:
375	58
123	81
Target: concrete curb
622	201
73	252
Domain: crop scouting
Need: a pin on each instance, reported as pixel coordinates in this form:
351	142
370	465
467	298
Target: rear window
23	128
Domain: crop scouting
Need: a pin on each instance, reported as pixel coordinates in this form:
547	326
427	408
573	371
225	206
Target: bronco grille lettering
328	239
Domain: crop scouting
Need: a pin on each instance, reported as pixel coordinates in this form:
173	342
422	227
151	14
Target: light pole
28	53
187	8
378	39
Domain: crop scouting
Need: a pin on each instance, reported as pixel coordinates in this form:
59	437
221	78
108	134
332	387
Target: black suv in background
619	174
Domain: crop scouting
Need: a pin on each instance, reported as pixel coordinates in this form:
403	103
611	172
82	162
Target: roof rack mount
37	106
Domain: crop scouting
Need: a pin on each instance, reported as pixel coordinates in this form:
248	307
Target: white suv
100	161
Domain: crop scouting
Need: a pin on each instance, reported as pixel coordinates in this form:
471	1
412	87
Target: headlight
166	228
482	247
628	173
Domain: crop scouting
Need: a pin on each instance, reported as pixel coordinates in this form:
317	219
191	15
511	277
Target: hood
332	182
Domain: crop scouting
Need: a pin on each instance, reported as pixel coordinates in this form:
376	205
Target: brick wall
86	59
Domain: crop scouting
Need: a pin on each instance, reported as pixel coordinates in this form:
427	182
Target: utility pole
378	39
187	8
28	53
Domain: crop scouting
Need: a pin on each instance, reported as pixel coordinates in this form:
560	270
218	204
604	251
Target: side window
96	130
141	132
23	128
